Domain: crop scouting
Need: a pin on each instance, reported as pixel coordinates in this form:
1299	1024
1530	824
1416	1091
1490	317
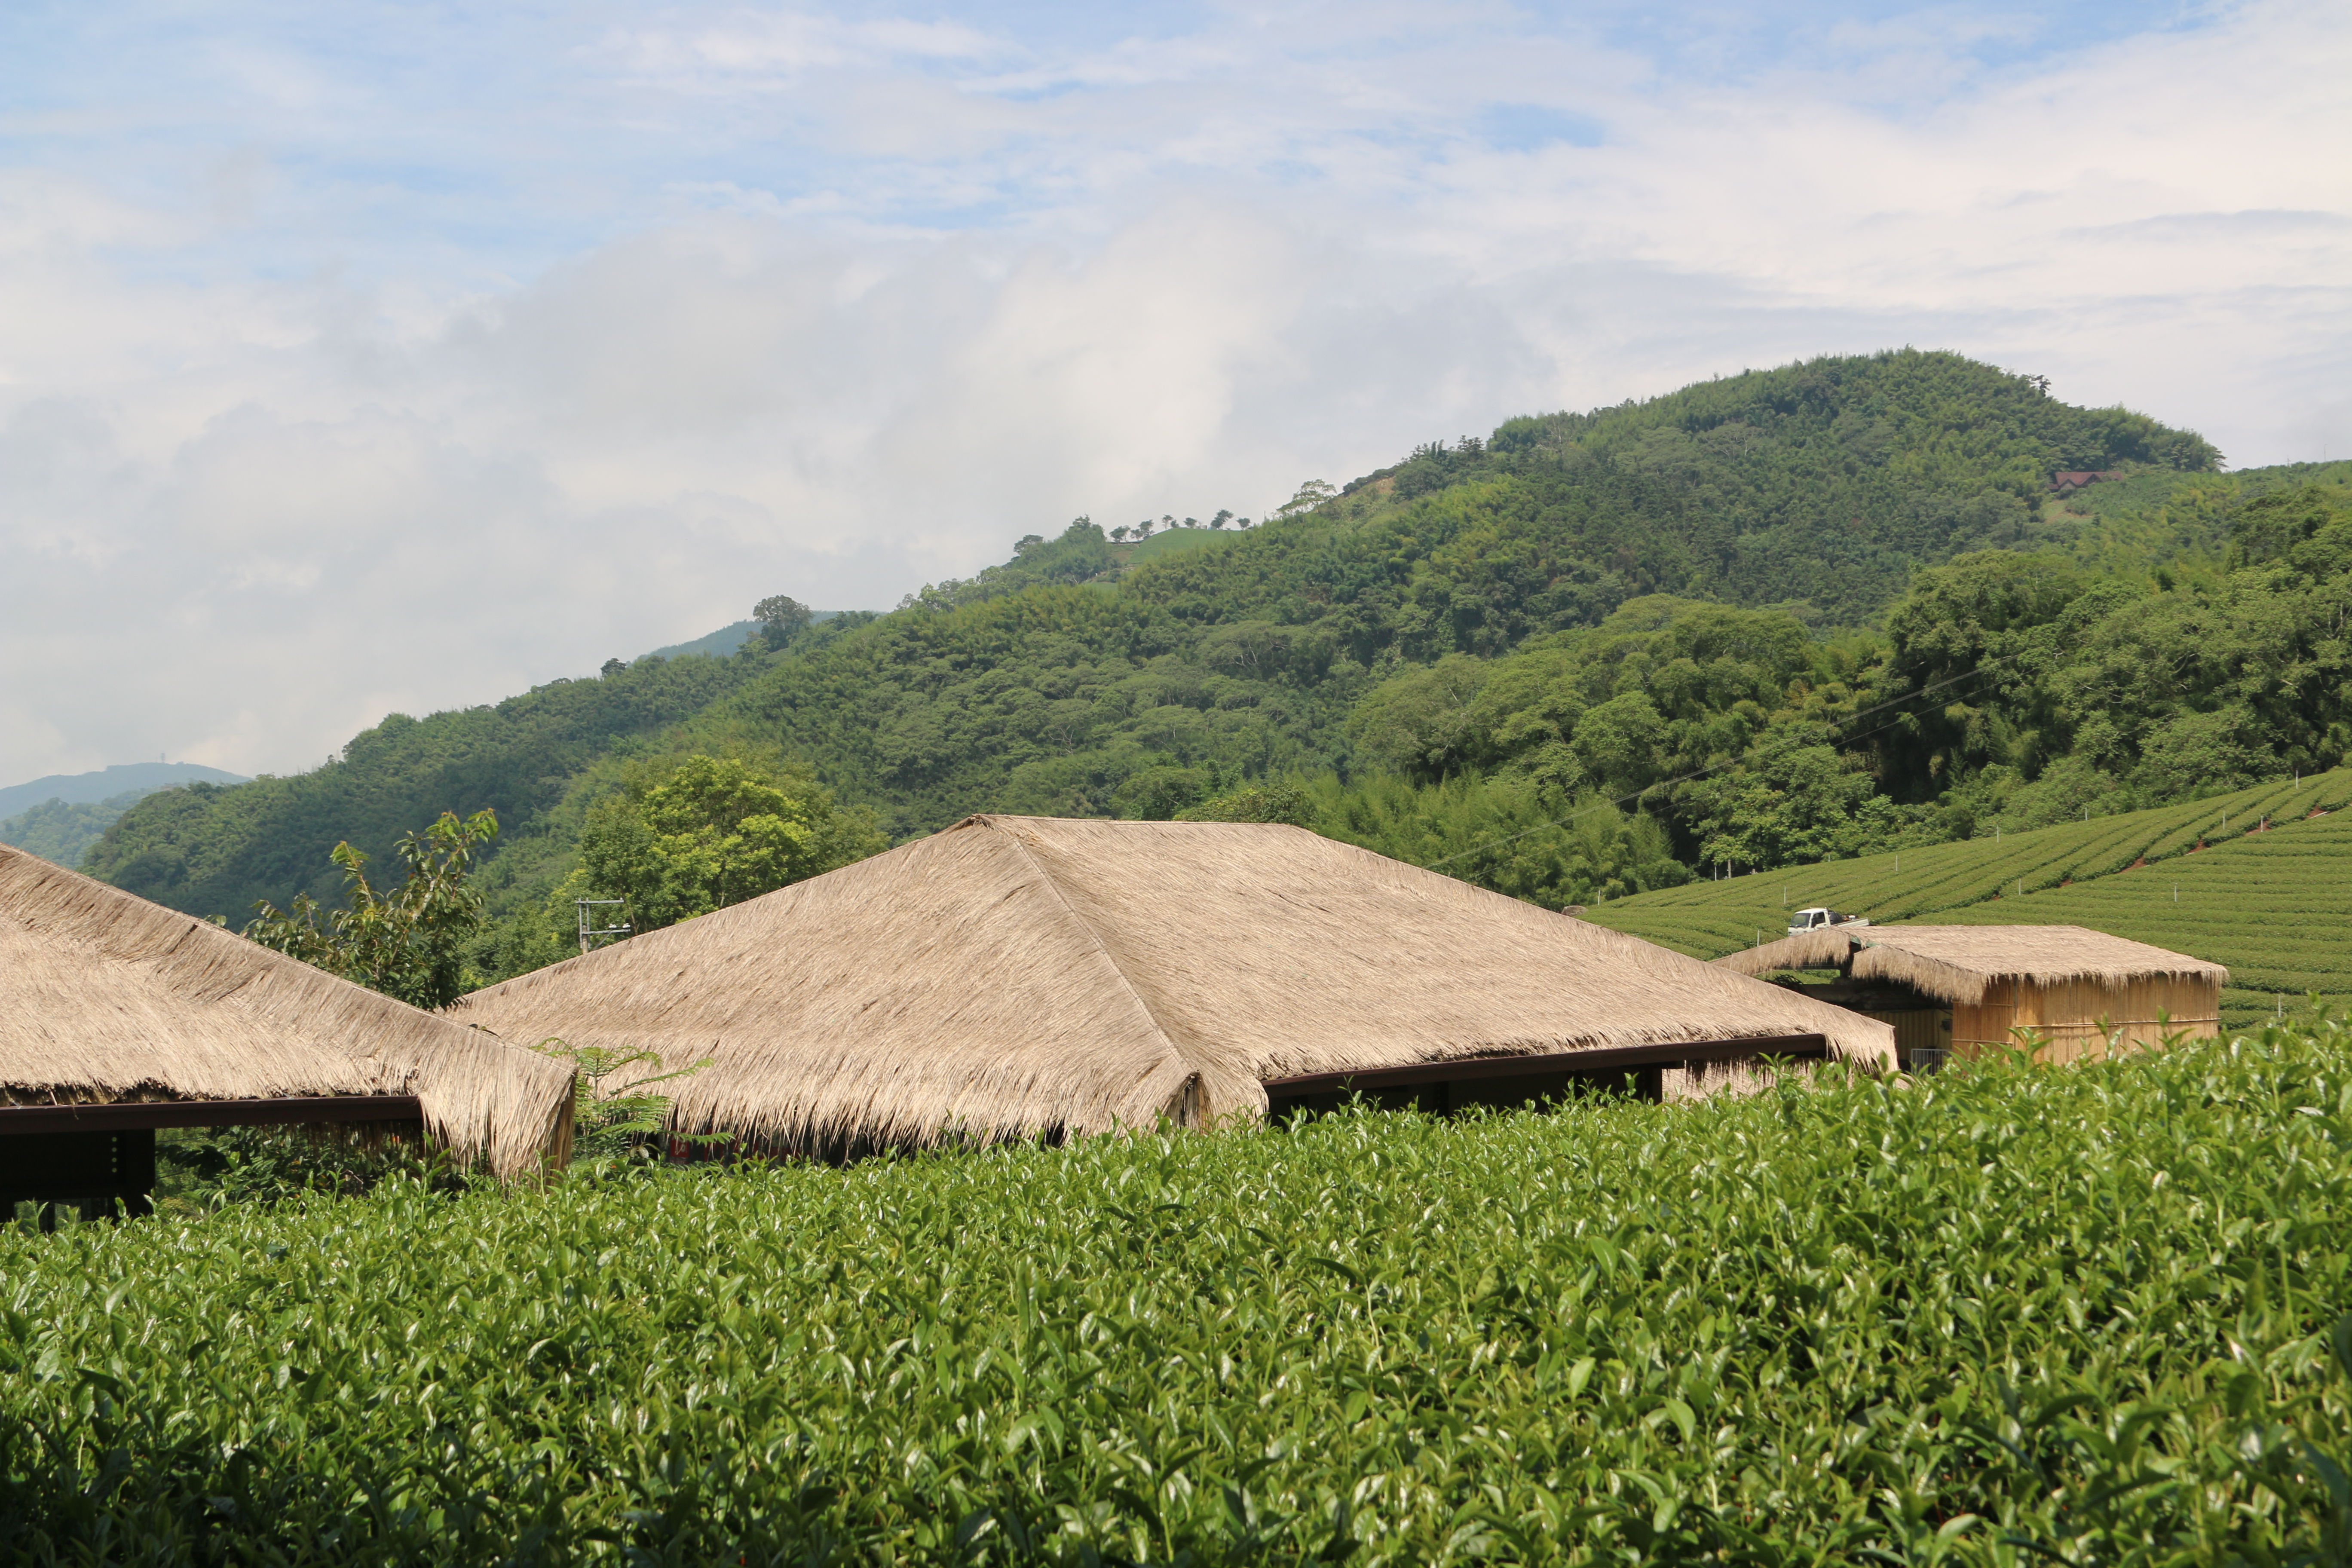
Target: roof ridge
1094	937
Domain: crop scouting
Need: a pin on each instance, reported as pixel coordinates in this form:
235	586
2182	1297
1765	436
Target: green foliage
2004	1315
1795	798
1514	834
1274	802
620	1120
203	1169
1160	793
699	833
409	943
2161	693
2260	880
1137	549
1718	717
1662	687
2011	690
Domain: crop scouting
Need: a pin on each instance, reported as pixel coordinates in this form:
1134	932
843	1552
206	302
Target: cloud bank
401	363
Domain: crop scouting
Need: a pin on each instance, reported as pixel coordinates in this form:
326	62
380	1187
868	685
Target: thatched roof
1961	963
105	998
1012	975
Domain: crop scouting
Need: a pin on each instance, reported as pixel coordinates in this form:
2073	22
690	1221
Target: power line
1838	725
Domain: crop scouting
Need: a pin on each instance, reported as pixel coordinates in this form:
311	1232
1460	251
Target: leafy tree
1158	793
409	943
1513	835
704	832
1798	799
1308	497
781	618
1268	651
1420	723
1256	803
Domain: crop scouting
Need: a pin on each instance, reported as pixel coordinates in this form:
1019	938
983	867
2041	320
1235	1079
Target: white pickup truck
1804	921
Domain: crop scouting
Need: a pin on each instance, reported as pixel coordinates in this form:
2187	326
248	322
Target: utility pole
589	930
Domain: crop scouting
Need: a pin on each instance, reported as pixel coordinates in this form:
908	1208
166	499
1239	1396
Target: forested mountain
1745	577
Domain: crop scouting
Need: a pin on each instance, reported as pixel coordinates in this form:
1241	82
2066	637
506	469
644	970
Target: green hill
1681	555
2259	879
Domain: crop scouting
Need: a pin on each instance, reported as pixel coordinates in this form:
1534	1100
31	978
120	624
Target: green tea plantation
2004	1315
2260	880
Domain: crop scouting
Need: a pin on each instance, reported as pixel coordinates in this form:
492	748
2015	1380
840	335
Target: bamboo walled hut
1965	988
119	1017
1032	977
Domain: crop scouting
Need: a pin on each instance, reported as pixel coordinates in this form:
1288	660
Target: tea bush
2005	1315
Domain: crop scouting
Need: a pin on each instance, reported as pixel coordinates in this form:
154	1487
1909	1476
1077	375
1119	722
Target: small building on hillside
119	1017
1968	988
1016	977
2073	480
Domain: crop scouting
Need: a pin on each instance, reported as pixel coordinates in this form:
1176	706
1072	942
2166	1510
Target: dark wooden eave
1610	1060
1871	997
123	1116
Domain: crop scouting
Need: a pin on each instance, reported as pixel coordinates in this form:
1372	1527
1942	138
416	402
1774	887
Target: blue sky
632	314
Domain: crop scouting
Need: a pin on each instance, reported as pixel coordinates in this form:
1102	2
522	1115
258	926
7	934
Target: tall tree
781	618
707	832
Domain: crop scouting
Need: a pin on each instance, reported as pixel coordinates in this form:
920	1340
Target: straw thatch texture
1828	948
1964	964
1018	976
105	997
2073	1019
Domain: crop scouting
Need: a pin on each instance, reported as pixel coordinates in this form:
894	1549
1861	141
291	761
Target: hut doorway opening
1506	1082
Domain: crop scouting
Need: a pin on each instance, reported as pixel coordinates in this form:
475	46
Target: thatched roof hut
117	1013
1014	976
2083	991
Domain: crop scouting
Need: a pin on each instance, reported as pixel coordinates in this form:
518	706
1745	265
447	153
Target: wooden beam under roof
1612	1058
127	1115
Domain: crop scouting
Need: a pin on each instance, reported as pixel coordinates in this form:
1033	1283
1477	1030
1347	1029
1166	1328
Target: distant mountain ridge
118	778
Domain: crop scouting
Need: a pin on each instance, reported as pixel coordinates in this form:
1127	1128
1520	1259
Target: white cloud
836	307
